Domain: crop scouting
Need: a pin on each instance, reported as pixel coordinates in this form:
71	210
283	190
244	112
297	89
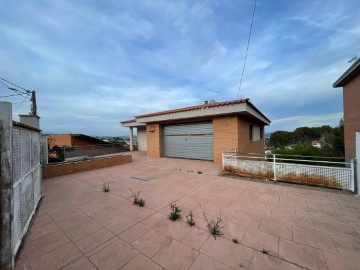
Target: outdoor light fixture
152	129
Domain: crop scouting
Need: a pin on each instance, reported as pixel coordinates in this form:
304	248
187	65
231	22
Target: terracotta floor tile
301	255
93	240
262	261
176	229
232	230
42	220
38	247
141	262
57	258
347	248
41	231
134	232
151	242
195	238
261	241
276	228
82	263
82	231
22	262
114	256
304	222
176	256
74	221
247	220
118	224
204	262
335	262
314	238
154	218
227	252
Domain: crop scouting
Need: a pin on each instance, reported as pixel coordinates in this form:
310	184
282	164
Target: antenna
352	59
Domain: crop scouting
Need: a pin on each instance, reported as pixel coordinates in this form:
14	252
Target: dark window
251	133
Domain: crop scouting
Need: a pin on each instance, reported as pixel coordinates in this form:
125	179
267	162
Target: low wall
65	168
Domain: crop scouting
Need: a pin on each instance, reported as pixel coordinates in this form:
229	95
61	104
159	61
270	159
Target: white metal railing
329	172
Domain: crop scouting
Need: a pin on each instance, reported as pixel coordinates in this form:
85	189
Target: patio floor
78	226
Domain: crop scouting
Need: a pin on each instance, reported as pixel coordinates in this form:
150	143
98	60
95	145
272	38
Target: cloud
94	64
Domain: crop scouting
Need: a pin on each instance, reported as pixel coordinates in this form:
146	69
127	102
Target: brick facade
229	132
351	93
59	169
154	136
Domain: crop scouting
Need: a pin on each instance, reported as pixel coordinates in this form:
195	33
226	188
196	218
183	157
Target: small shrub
235	241
106	187
264	251
175	212
137	200
214	226
190	219
199	172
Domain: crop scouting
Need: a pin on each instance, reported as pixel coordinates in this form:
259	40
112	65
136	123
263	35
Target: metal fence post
64	153
352	175
274	166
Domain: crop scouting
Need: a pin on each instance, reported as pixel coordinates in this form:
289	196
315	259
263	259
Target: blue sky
95	63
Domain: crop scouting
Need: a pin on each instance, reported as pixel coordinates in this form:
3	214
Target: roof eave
348	75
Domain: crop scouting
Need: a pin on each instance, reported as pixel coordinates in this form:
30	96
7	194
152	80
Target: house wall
154	136
225	130
59	140
229	133
351	93
141	138
244	144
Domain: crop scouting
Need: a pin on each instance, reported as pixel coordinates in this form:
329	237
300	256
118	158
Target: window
255	133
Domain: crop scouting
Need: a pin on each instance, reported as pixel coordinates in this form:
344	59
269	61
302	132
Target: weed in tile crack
106	187
175	212
137	200
190	219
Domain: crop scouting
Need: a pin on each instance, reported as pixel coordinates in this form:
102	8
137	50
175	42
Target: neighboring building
73	140
350	81
201	132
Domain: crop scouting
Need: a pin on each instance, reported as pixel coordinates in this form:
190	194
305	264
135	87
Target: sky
96	63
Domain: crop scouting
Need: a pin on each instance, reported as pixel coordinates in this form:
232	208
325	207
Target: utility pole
33	103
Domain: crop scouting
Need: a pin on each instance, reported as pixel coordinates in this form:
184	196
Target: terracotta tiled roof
128	121
197	107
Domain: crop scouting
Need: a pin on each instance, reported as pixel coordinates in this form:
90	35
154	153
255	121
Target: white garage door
192	140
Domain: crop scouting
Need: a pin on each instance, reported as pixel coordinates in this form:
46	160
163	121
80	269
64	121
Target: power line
21	93
247	49
26	91
11	95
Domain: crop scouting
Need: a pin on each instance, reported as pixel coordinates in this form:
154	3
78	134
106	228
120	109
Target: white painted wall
141	139
357	181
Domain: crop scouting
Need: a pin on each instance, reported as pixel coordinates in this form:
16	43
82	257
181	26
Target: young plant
106	187
235	241
214	226
190	219
137	200
175	212
264	251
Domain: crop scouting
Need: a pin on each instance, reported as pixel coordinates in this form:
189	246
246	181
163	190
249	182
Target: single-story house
73	140
202	131
350	82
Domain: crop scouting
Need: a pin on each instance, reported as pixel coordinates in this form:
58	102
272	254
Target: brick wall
59	140
244	143
225	130
351	92
154	136
59	169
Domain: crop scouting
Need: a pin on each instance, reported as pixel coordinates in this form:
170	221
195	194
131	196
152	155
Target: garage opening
190	140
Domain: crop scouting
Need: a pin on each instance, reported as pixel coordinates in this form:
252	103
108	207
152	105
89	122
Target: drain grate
138	178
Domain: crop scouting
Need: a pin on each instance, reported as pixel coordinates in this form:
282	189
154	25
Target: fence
20	182
93	150
328	172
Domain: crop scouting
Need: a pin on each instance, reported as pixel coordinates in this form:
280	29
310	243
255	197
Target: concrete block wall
60	169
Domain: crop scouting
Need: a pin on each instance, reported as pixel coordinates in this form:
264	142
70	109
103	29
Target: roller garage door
191	140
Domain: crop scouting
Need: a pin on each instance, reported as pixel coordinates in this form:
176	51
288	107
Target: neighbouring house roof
348	75
239	106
